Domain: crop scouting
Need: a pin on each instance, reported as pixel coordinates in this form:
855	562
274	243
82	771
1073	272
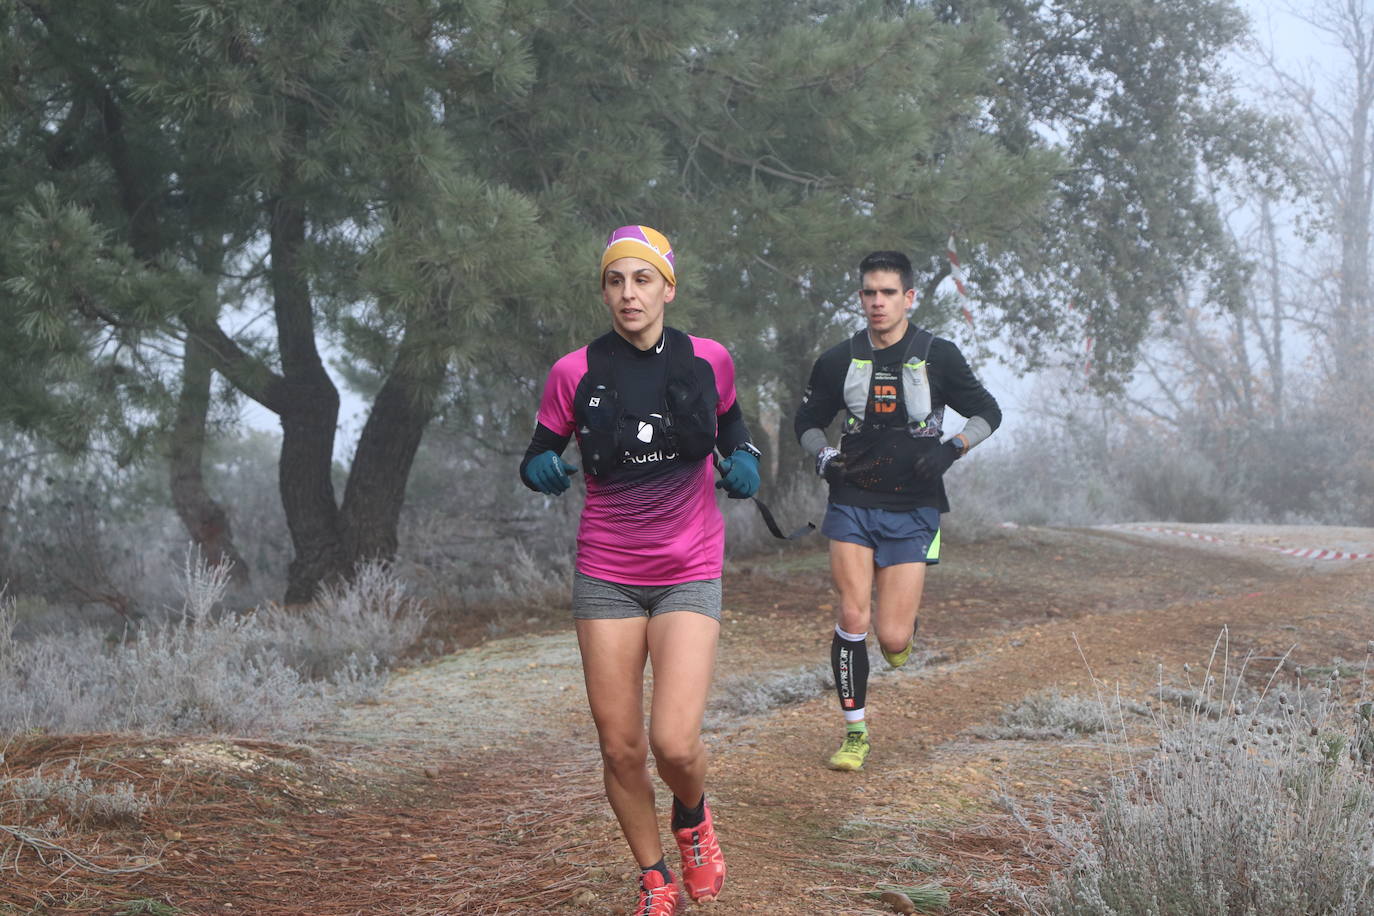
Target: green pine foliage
1136	96
422	188
77	306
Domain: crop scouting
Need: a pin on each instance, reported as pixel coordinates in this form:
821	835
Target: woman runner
650	406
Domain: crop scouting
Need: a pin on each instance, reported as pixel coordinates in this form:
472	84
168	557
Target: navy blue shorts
894	537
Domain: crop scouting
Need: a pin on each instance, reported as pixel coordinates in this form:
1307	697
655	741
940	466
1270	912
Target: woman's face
636	293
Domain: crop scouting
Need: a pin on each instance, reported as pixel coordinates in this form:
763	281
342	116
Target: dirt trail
472	786
1027	610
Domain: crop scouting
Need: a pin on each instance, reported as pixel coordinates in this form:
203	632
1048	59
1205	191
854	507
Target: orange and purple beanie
643	243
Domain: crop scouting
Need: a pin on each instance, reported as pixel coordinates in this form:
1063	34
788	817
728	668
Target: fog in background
1243	414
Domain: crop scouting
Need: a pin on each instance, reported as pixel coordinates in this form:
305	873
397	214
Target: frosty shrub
268	671
792	506
1070	486
1048	714
741	696
78	797
85	537
1266	808
531	576
370	619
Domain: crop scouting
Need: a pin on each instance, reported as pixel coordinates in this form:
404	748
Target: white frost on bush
267	671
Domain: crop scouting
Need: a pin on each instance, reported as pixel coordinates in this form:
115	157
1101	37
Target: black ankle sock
662	869
684	817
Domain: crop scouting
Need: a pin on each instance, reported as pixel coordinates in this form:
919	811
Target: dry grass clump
268	671
1049	714
744	696
76	796
1251	805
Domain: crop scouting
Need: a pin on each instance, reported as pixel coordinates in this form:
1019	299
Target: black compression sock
662	869
684	817
849	662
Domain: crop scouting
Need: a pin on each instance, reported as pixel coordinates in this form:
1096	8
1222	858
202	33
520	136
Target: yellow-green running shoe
853	752
898	659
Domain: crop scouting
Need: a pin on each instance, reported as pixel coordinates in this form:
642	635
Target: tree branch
249	375
42	845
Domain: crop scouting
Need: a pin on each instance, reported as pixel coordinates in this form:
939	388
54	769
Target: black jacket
881	459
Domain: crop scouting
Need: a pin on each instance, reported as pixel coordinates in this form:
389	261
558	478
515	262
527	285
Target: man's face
884	301
635	292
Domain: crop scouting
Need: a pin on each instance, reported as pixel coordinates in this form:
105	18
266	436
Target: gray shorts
598	599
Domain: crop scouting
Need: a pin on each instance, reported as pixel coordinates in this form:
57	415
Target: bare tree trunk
1274	347
309	411
1336	123
376	488
1354	215
204	519
206	522
798	344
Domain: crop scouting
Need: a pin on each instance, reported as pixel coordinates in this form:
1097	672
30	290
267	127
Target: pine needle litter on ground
284	830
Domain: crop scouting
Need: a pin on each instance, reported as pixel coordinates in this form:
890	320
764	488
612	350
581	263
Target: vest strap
687	402
858	382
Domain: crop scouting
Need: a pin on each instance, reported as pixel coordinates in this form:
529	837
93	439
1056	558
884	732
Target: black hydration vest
687	405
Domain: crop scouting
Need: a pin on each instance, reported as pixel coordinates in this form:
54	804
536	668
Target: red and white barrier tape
956	270
1305	553
956	273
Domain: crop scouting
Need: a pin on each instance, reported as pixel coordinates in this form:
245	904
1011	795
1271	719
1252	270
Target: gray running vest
921	421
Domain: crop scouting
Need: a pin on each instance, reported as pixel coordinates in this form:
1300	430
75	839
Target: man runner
892	380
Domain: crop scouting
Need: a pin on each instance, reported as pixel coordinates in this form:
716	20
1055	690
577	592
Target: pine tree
1137	96
422	186
204	157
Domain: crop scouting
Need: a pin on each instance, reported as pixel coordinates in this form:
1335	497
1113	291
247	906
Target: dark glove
934	462
830	464
548	473
739	475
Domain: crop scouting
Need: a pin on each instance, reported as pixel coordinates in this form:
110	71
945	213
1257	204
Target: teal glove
548	473
739	475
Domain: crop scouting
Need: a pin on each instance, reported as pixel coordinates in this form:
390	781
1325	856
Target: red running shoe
656	896
703	864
